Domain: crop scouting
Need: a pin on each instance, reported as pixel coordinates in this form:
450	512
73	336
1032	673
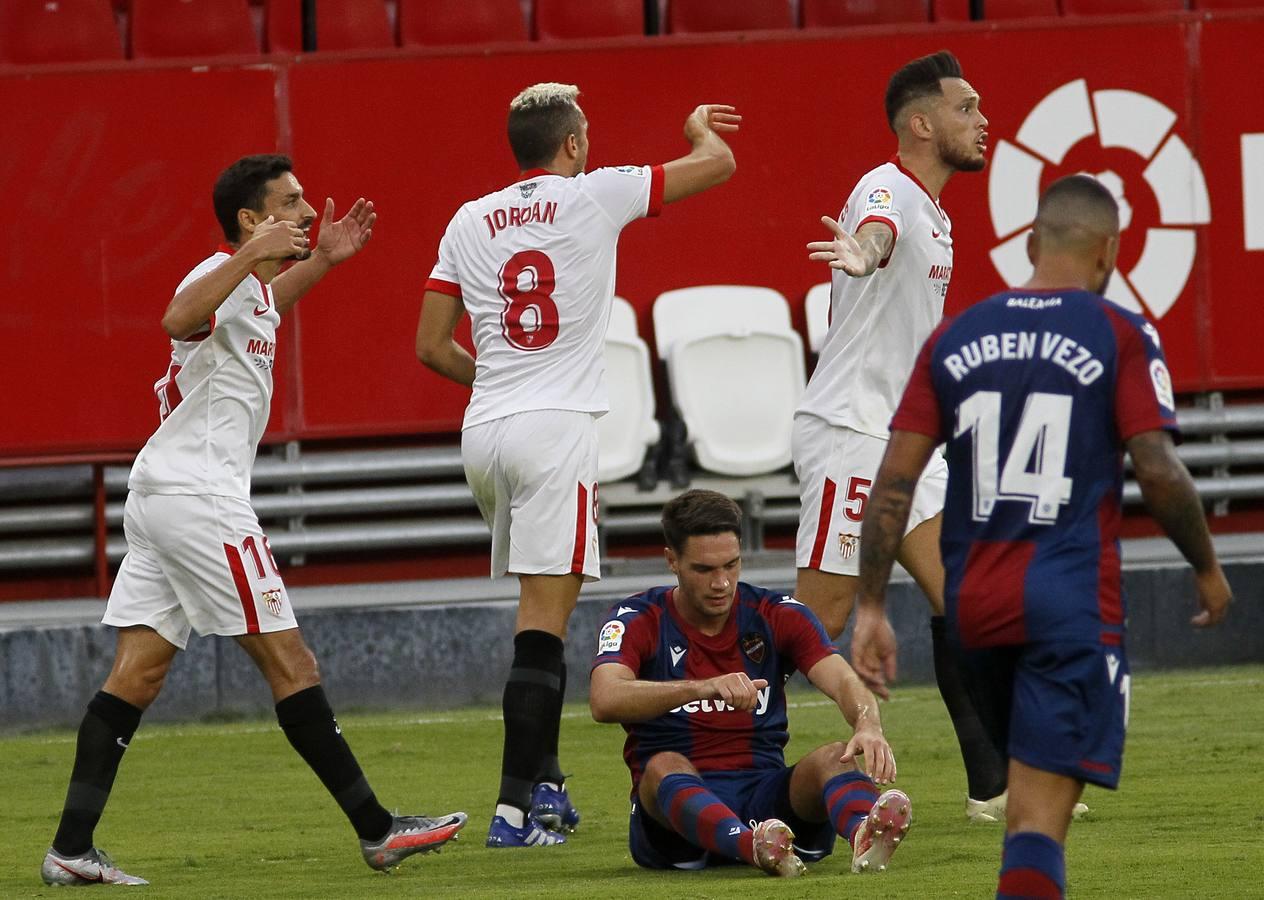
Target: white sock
511	814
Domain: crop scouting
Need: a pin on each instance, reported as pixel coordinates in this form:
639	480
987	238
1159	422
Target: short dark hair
699	512
1076	208
244	185
917	79
540	118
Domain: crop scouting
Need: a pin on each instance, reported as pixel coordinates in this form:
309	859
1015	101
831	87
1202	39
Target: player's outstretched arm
857	255
195	303
836	679
337	242
436	344
1170	497
710	162
873	646
617	695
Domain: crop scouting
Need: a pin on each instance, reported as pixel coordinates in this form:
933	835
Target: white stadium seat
626	433
735	366
816	309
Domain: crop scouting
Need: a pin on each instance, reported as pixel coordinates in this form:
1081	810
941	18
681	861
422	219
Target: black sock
985	769
309	724
533	710
552	769
104	733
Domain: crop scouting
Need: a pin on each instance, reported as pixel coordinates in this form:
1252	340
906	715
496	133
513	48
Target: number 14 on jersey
1034	471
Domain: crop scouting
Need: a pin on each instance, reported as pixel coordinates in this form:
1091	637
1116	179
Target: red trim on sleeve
581	530
919	407
657	181
895	234
233	555
443	287
822	524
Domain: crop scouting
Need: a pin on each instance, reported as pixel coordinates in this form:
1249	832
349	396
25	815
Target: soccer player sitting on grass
696	674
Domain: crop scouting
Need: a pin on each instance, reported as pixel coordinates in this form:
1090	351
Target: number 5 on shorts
857	494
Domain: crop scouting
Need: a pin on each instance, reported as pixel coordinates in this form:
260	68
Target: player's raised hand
843	252
873	649
736	689
277	240
1214	597
709	117
339	241
879	759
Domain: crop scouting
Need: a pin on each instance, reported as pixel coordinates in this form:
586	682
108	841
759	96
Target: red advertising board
108	202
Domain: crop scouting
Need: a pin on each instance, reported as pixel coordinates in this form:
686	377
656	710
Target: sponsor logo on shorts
847	545
272	600
611	637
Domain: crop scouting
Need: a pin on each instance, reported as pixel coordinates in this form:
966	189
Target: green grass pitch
227	810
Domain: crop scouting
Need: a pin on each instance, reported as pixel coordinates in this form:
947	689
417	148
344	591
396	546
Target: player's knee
138	686
666	763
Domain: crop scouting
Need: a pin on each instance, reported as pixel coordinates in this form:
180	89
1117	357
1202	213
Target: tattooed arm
886	516
1170	497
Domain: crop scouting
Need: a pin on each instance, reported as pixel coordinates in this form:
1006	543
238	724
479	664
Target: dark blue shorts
754	796
1055	706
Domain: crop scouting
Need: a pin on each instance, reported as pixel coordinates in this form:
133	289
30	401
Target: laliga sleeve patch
611	637
1162	381
879	200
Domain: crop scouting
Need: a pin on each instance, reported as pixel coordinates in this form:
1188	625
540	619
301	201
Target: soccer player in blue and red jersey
1037	391
696	674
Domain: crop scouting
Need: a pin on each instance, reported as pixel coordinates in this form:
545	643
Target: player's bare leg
1039	813
823	788
830	596
141	662
305	716
530	775
672	793
985	769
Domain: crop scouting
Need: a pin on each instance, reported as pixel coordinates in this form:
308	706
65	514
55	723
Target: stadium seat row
54	31
724	347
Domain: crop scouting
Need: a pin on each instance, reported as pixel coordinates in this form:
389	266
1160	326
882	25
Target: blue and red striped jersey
768	635
1035	393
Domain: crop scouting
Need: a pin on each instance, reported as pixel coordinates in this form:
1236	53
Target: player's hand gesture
736	689
873	649
869	742
339	241
843	252
277	240
714	117
1214	596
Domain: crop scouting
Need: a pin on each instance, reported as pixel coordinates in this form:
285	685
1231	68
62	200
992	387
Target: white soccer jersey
878	323
214	401
534	265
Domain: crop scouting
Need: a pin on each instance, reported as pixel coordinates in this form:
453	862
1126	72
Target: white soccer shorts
836	467
197	562
534	476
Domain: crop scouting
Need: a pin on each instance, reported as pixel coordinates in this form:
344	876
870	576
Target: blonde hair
545	94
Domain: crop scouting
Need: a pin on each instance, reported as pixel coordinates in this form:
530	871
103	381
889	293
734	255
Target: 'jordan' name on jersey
514	216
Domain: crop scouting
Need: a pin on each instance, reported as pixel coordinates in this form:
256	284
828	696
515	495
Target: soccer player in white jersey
197	557
533	264
891	257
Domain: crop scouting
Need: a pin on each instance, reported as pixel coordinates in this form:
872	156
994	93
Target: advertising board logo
1073	130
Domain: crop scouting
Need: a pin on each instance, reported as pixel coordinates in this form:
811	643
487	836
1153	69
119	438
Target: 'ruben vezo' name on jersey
1049	345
